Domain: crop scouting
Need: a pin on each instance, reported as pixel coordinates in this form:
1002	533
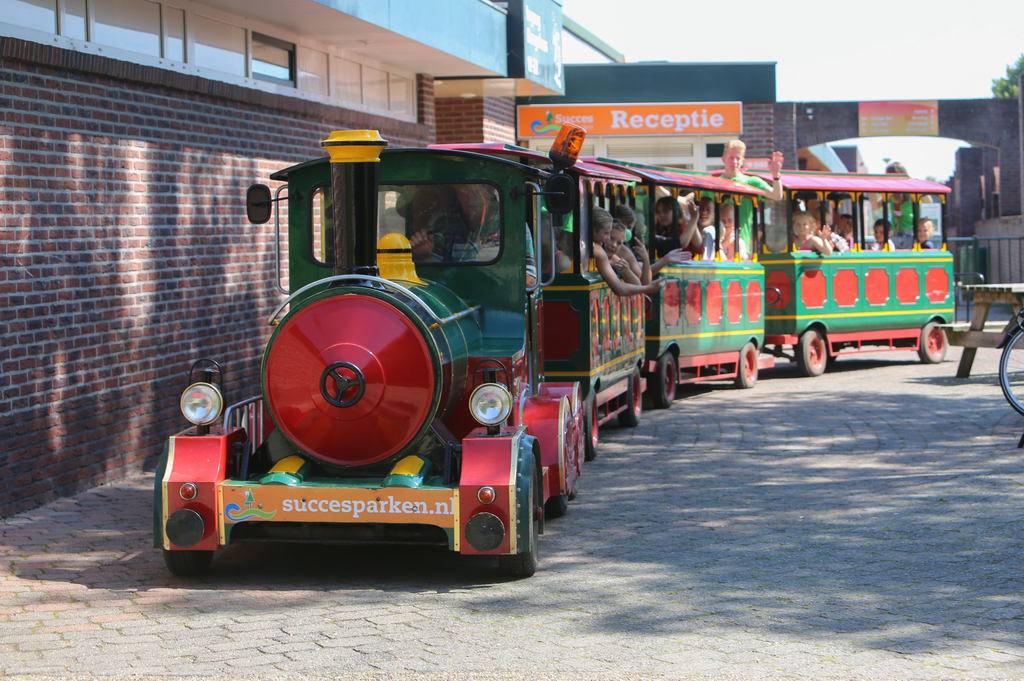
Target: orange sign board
719	118
879	119
279	503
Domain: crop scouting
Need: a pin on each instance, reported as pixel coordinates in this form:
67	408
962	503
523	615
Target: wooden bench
981	333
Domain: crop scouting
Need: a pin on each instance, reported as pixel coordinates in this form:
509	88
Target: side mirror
559	194
258	204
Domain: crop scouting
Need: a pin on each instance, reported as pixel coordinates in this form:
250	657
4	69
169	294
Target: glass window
174	21
321	214
219	46
375	88
273	60
776	226
38	14
312	71
445	223
347	81
74	19
401	95
129	25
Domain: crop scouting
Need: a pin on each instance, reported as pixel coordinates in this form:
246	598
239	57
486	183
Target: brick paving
860	525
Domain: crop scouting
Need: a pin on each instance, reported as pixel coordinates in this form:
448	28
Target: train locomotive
402	397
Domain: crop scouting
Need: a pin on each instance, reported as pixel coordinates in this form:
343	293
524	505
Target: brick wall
125	253
758	129
476	119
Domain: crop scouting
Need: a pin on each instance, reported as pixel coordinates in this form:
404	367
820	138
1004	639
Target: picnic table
981	333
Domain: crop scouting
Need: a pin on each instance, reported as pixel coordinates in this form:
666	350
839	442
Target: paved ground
859	525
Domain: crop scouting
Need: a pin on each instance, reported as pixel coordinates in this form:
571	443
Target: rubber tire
591	431
932	349
666	380
525	564
630	418
556	506
746	367
1013	388
187	563
811	353
574	492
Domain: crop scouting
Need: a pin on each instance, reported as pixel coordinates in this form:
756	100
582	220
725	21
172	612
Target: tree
1008	88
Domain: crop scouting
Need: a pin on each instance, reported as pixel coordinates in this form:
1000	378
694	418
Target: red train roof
851	182
695	179
583	167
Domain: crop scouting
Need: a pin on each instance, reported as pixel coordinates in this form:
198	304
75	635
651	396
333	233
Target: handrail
277	239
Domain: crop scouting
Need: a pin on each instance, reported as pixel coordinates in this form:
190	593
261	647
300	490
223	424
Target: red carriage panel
694	311
908	286
714	302
734	302
780	280
936	285
813	289
754	301
844	288
561	330
876	286
671	298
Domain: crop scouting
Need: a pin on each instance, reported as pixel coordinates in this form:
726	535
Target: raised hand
775	163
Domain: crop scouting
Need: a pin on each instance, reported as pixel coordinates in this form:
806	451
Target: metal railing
985	260
247	414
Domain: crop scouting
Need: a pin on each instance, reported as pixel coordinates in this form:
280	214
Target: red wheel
811	353
746	368
933	344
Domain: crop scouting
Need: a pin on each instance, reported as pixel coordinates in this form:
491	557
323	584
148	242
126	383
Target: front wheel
630	418
746	368
591	431
525	564
932	349
1011	372
187	563
666	379
811	353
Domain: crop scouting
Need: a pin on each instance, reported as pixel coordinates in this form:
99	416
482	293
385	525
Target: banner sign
535	43
880	119
718	118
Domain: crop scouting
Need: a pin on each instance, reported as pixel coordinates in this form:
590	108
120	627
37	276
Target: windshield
449	223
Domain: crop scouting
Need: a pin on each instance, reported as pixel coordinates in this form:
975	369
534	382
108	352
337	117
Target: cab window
454	223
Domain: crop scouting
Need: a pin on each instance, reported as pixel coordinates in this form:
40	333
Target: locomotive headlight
490	404
201	403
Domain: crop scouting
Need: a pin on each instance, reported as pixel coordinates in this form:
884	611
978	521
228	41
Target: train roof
851	182
679	177
584	167
282	175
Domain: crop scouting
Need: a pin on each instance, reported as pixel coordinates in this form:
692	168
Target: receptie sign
880	119
717	118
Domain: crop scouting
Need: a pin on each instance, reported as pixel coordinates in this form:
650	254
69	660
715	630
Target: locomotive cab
401	396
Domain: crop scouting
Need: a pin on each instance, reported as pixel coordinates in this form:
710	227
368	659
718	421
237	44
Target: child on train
627	217
925	229
600	231
804	237
880	226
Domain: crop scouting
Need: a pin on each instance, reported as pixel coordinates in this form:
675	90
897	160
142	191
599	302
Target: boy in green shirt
735	150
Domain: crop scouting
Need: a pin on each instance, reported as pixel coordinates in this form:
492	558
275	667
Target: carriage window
776	226
321	222
451	223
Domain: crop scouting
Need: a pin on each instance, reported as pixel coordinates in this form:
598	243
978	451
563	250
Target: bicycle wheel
1011	372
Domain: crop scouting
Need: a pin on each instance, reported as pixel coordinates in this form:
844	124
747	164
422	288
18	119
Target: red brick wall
758	129
478	119
125	253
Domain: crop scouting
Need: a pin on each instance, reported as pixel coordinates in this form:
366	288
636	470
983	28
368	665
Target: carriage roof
678	177
852	182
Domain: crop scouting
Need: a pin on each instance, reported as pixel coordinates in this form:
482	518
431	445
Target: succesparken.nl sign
609	120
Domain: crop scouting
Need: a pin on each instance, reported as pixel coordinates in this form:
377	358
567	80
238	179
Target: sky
828	51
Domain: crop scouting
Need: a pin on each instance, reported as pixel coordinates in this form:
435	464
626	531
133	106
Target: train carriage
862	300
402	397
591	335
708	321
